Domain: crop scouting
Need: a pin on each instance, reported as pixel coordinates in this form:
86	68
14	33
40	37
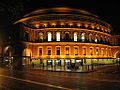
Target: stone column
53	62
53	36
45	62
72	60
62	62
62	35
45	36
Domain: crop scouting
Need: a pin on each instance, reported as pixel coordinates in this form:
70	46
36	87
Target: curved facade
58	36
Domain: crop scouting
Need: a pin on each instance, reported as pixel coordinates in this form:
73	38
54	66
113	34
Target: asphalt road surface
103	79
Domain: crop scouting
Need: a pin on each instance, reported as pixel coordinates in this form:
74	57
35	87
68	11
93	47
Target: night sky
108	11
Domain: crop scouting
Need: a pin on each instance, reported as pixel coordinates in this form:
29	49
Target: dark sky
107	10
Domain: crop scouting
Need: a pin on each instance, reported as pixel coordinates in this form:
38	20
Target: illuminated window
49	51
67	51
96	39
75	36
109	52
83	37
41	36
76	51
97	52
37	25
91	51
102	52
105	52
49	36
90	37
58	51
84	51
49	62
58	36
58	62
40	51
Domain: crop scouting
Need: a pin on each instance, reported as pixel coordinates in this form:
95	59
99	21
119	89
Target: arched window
102	51
106	51
27	52
101	38
91	51
110	52
90	37
83	37
67	50
8	51
49	36
97	51
106	39
26	36
57	50
118	55
96	39
41	36
84	51
76	50
75	36
40	51
49	51
58	36
67	37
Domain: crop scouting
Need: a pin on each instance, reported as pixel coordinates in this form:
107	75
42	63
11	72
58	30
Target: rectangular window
49	36
67	51
106	52
76	51
40	51
58	51
84	51
58	36
102	52
97	51
75	36
91	51
49	51
110	52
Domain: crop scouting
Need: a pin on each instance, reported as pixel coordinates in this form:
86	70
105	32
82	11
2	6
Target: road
47	80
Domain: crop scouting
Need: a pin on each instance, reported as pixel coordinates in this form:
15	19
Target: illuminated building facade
58	36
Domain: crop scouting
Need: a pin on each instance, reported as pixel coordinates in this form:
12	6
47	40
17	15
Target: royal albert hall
58	36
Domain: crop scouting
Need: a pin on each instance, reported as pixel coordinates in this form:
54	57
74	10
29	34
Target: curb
64	71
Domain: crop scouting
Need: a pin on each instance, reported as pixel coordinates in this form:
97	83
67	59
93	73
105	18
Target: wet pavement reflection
29	79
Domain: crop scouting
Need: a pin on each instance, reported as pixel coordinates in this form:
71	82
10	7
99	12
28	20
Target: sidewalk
81	69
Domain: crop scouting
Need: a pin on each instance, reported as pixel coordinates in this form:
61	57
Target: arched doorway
117	56
8	56
26	59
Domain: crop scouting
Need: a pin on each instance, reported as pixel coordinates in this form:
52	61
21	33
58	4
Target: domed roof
62	14
60	10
